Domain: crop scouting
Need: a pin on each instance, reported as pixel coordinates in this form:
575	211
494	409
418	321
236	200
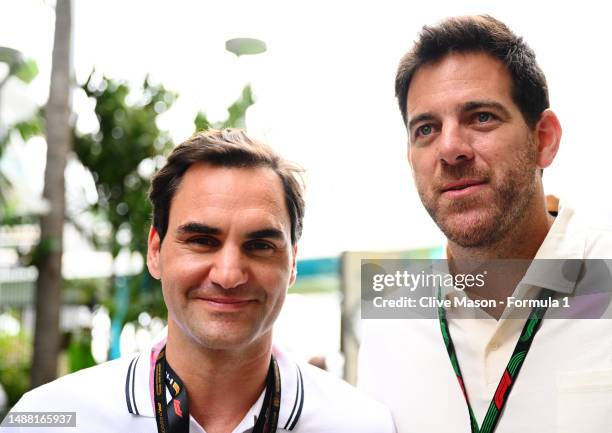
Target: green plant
15	355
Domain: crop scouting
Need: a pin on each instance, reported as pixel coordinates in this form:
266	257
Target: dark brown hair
226	148
481	33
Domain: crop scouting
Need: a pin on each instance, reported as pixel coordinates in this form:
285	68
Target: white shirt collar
558	262
138	389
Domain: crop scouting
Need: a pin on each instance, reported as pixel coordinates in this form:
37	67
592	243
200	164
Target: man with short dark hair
227	216
475	104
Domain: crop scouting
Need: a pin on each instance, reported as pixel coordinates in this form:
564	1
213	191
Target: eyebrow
271	233
420	118
475	105
198	228
204	229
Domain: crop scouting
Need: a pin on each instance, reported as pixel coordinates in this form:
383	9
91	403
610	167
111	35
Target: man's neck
222	385
522	242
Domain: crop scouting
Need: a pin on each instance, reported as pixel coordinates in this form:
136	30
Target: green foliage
15	353
26	129
27	71
9	204
236	113
128	135
79	351
145	295
44	247
86	291
24	69
11	57
31	127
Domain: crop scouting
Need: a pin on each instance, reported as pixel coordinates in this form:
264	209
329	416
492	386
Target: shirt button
495	346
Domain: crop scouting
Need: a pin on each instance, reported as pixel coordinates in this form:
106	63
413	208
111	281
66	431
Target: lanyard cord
173	417
510	373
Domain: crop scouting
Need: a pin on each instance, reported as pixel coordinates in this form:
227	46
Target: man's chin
469	228
220	335
223	341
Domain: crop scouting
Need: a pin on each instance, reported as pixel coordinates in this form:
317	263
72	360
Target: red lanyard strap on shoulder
510	373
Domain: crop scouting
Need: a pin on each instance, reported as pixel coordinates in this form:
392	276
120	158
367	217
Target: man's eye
204	241
484	117
258	246
423	130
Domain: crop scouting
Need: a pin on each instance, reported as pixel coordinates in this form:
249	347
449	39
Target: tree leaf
27	71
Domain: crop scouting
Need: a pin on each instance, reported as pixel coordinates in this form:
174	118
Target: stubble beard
513	193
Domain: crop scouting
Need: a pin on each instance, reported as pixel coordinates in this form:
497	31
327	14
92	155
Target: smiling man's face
473	157
227	259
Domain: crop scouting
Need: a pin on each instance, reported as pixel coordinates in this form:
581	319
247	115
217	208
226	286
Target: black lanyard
173	417
510	373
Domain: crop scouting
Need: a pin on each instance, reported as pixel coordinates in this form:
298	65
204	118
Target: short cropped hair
481	33
225	148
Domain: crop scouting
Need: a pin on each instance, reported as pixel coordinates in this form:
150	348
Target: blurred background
94	93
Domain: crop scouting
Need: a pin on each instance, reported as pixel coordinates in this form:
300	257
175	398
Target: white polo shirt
565	384
116	396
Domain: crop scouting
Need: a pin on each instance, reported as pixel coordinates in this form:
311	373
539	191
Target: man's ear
293	267
548	136
153	251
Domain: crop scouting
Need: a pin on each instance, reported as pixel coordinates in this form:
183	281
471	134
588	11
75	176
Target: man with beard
475	104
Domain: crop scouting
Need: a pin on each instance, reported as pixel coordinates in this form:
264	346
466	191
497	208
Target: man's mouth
226	303
462	187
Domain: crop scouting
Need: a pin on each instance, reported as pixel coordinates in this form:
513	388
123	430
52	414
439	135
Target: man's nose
229	269
454	147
